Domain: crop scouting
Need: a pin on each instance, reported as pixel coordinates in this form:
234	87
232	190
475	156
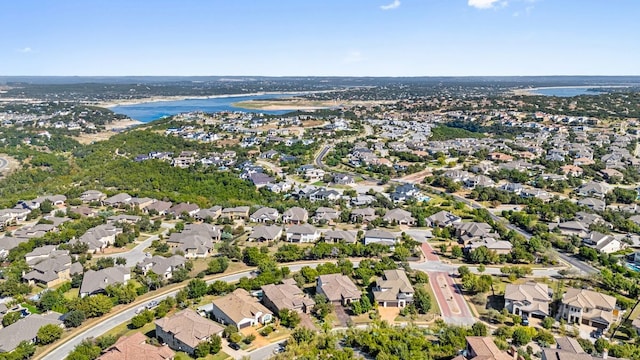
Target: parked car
152	304
234	346
140	309
525	321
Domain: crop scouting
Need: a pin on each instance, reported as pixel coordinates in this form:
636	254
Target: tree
456	251
521	336
548	322
422	300
97	305
74	318
289	318
121	261
51	299
218	265
215	344
322	307
600	345
196	288
479	329
203	349
142	319
48	334
235	338
481	268
11	318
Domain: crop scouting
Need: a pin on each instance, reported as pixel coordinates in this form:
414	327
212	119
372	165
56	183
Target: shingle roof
134	347
189	327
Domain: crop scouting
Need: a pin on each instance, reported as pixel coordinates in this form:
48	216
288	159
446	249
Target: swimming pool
633	267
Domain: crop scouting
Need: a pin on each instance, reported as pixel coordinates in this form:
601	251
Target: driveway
341	314
137	254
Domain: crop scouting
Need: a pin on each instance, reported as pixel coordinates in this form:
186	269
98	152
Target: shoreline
532	91
154	99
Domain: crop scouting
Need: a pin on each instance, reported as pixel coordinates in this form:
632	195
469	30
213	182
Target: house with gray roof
400	217
124	218
338	288
594	189
593	204
364	215
195	241
98	238
49	270
334	236
92	195
161	265
265	233
265	215
26	329
185	330
240	309
604	243
442	219
95	282
239	212
326	214
212	213
159	207
582	306
7	243
295	215
529	299
117	200
378	236
179	210
286	296
393	289
305	233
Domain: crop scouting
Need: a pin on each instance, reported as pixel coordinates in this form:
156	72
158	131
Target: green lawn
219	356
32	309
72	293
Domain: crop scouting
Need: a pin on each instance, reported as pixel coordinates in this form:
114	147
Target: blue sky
320	37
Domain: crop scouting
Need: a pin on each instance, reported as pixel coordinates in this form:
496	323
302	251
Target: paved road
137	254
99	329
266	351
3	163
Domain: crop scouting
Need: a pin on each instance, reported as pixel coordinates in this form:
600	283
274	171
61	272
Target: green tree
289	318
48	334
422	300
218	265
196	288
521	336
235	338
479	329
10	318
456	251
548	322
74	318
97	305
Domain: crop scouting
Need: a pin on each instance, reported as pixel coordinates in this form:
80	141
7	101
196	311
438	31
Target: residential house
572	170
604	243
211	213
181	209
362	200
135	347
334	236
26	329
124	218
295	215
162	266
482	348
304	233
8	243
313	174
141	203
265	233
404	192
479	181
498	156
95	282
239	212
185	330
158	207
195	241
569	349
380	237
92	195
265	215
338	288
393	289
343	179
571	228
52	269
400	217
581	306
442	219
286	296
325	214
529	299
98	238
117	200
499	246
240	309
593	204
593	189
365	215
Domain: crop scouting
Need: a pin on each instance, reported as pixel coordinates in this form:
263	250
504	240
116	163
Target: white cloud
484	4
25	50
394	5
353	57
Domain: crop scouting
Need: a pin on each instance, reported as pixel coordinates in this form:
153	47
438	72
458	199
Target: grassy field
219	356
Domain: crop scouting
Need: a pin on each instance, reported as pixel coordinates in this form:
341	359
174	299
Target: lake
566	91
151	111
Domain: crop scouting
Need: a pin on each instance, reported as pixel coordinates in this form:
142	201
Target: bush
235	338
548	322
74	318
266	330
48	334
249	339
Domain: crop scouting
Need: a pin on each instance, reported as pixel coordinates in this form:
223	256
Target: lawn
124	330
32	309
72	293
219	356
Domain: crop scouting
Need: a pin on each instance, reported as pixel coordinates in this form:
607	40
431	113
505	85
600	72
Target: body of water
566	91
151	111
